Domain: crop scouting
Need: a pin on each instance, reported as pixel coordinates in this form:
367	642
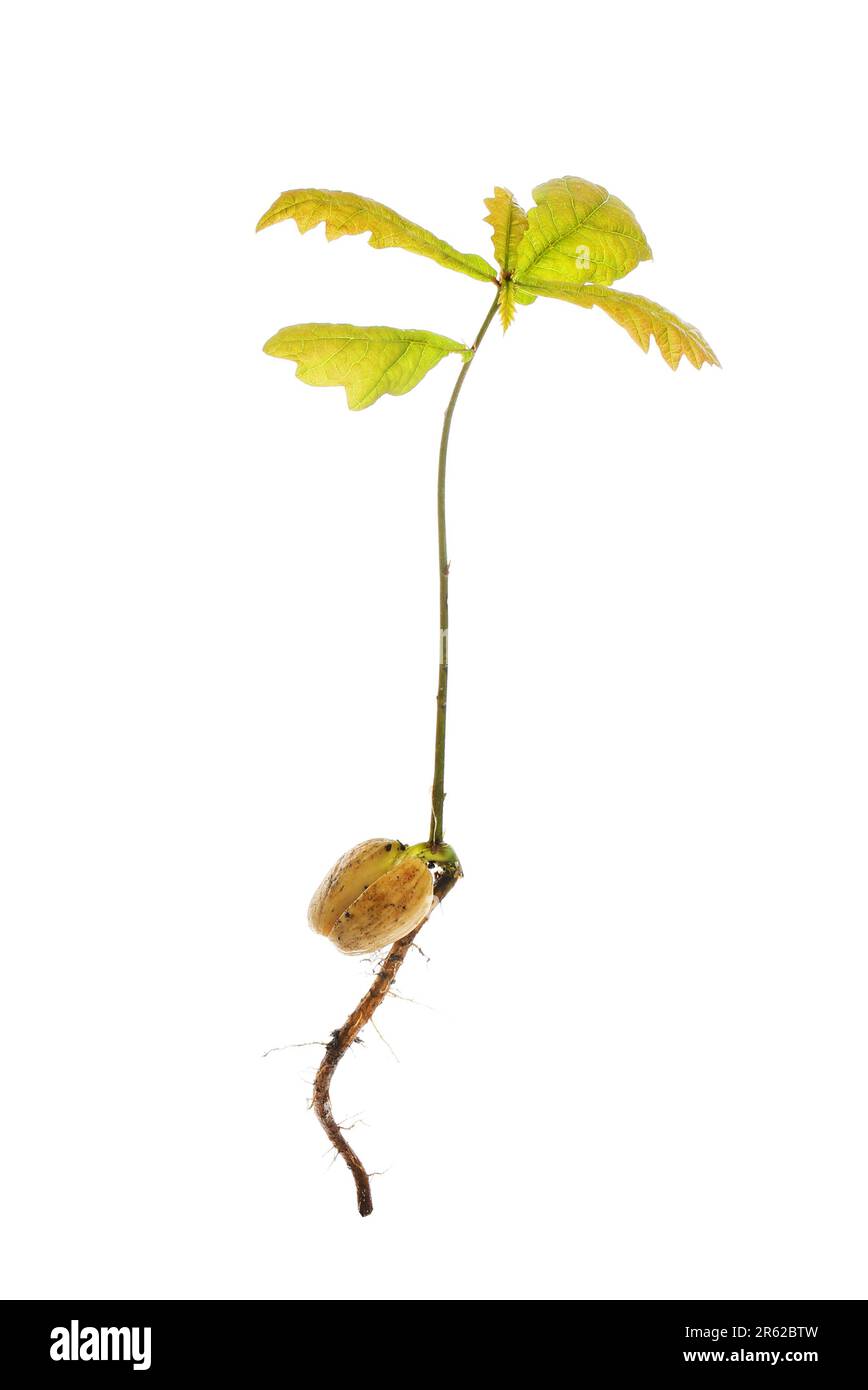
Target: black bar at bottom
244	1341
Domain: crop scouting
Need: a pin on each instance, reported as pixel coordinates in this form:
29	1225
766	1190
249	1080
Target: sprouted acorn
570	245
377	892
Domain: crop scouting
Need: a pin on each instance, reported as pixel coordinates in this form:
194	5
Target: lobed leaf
509	221
643	320
368	362
578	232
348	214
506	303
510	224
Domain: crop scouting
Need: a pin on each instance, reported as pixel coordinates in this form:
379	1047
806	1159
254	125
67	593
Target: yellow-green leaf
368	362
506	303
578	232
348	214
510	224
643	320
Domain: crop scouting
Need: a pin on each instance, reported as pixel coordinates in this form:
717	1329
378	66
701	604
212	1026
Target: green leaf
643	320
510	224
348	214
506	303
509	221
369	362
578	232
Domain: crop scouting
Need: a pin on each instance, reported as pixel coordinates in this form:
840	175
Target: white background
635	1066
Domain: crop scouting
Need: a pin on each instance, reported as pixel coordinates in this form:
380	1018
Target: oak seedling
571	244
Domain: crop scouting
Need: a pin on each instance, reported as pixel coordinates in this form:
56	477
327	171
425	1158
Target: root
343	1038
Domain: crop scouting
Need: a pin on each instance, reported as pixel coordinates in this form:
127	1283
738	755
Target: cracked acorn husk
377	892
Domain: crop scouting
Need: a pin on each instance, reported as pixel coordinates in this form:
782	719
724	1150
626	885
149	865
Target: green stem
437	792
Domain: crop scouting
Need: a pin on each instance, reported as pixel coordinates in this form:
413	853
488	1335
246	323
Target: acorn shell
374	895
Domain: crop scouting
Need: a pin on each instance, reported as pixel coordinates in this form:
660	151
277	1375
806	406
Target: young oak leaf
348	214
506	303
643	320
578	232
368	362
509	222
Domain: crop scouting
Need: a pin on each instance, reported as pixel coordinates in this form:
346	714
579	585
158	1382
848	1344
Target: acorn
376	893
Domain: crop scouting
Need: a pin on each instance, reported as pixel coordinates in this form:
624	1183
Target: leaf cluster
572	244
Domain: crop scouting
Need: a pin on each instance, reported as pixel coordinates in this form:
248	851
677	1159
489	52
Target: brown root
343	1038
